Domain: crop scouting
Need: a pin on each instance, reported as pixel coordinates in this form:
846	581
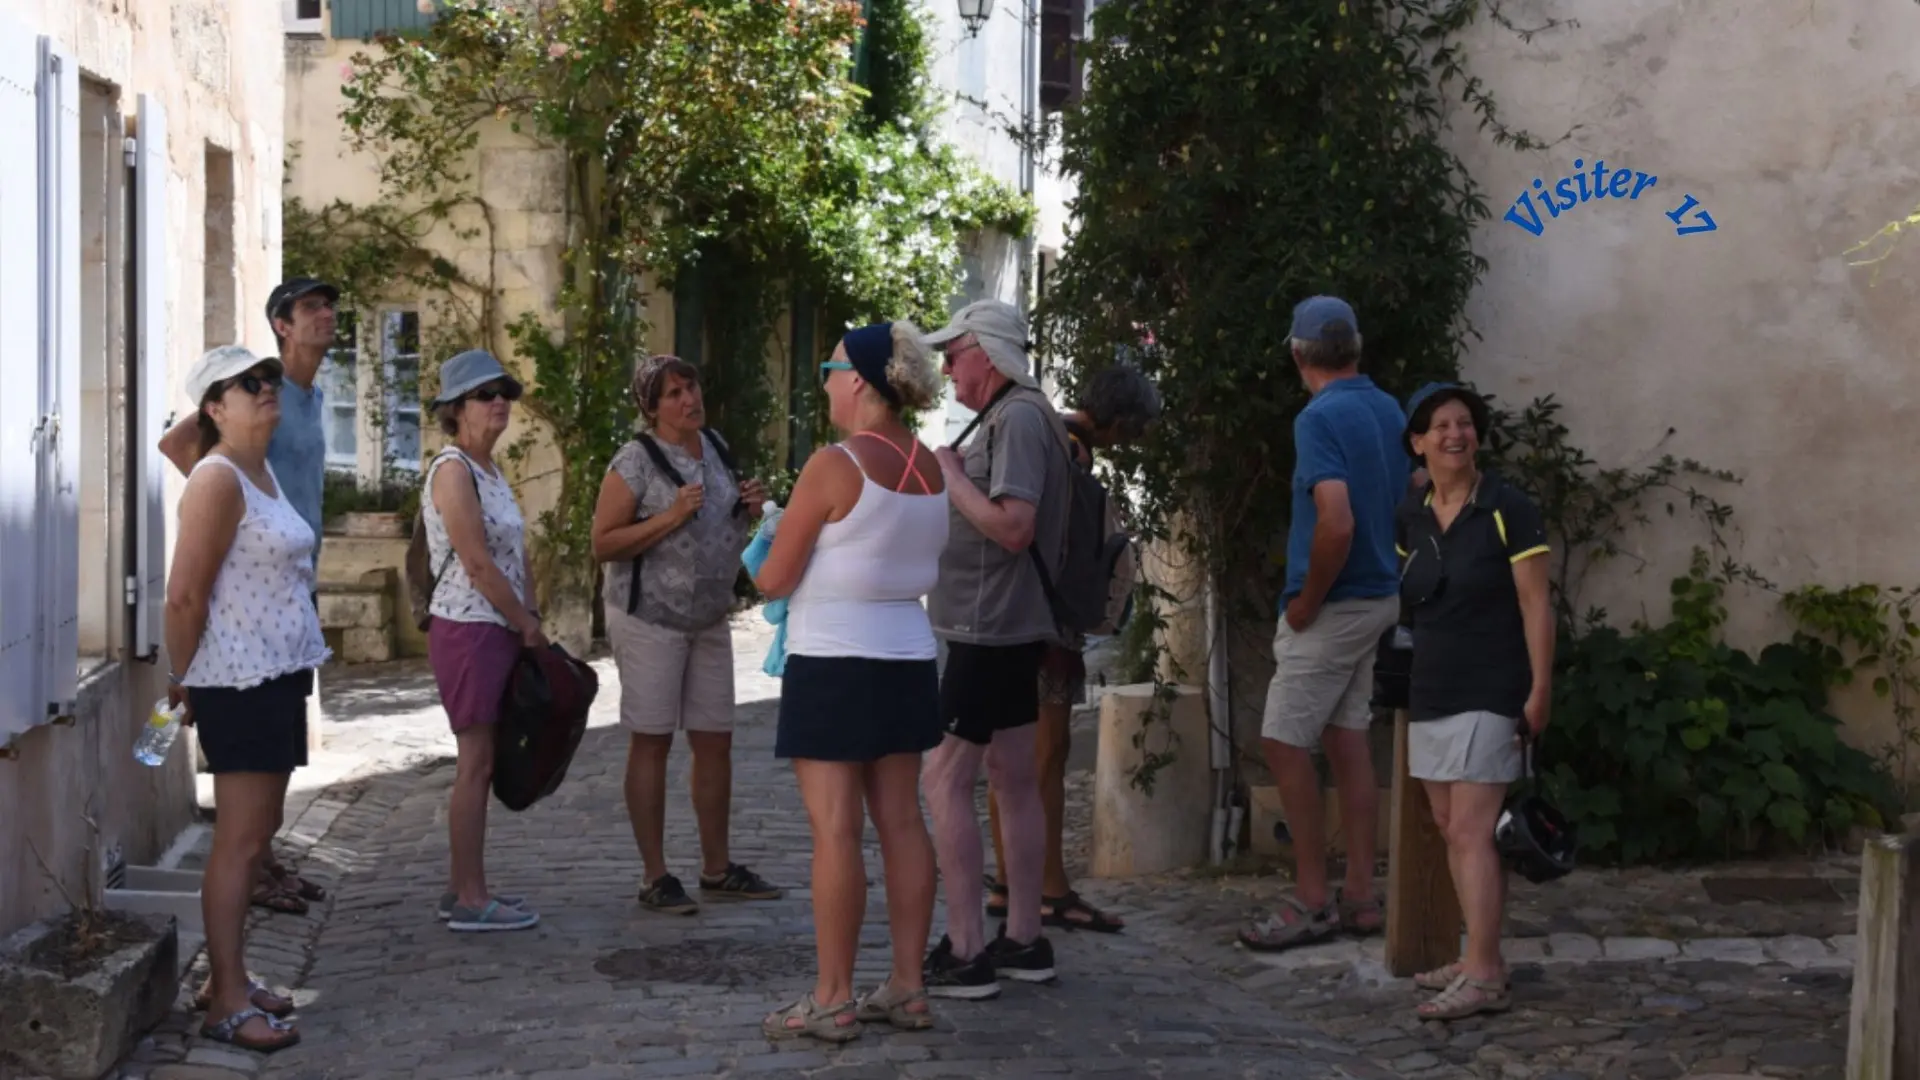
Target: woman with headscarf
857	550
670	524
1474	579
243	640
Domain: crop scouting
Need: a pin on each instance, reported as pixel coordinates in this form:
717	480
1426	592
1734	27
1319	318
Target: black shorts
989	688
847	708
262	729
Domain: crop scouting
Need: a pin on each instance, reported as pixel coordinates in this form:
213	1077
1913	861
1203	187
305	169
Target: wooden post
1423	914
1883	1033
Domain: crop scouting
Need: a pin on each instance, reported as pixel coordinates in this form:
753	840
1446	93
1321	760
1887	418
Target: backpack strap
447	563
1055	606
725	453
672	474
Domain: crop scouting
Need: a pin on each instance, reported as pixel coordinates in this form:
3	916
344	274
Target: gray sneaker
494	916
448	899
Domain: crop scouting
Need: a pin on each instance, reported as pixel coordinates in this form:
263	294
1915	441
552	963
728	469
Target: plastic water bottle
163	726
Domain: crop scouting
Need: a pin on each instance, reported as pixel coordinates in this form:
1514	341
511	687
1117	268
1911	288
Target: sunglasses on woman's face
253	383
487	395
829	367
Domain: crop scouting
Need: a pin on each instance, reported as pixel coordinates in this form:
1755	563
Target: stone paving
1635	975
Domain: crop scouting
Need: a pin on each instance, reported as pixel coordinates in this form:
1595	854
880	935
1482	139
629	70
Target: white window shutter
22	706
60	367
152	389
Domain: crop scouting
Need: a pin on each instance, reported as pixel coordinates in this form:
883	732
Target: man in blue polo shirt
1342	594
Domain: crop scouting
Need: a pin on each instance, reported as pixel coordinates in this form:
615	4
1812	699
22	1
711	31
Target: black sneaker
1032	962
948	976
667	895
739	883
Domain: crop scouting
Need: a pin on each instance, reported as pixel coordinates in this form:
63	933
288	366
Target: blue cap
1323	318
469	371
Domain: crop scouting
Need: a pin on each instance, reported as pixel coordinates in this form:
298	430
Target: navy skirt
847	708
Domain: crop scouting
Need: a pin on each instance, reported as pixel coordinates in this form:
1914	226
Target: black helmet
1536	841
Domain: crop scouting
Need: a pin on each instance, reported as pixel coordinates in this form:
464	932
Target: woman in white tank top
857	551
242	642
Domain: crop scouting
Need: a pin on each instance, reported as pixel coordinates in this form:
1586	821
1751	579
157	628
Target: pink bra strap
911	456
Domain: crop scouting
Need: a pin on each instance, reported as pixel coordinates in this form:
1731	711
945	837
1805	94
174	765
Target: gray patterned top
686	579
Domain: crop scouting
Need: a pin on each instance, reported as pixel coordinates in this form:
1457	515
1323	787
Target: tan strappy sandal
886	1005
816	1021
1467	996
1439	978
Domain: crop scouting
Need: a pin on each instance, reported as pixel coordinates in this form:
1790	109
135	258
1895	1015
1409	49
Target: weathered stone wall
217	69
1756	344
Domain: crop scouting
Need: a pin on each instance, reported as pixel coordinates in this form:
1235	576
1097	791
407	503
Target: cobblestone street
604	989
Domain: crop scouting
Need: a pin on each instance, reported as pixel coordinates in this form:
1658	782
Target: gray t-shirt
988	595
686	579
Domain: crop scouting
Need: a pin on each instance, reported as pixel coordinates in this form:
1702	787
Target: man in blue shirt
1342	594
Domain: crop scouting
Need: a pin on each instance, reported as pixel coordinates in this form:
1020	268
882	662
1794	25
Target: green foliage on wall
724	140
1234	159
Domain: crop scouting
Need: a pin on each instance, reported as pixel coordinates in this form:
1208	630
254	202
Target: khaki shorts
672	680
1324	674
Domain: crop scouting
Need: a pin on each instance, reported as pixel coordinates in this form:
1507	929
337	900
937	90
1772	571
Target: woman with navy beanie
856	554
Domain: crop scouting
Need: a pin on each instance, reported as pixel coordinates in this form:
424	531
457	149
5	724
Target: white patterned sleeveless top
456	600
261	622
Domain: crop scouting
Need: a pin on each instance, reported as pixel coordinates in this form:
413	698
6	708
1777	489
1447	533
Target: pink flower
424	7
558	49
346	72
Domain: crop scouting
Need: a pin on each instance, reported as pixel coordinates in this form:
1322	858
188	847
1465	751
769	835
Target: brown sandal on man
269	895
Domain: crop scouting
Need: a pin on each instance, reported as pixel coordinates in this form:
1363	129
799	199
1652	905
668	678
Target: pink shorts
471	664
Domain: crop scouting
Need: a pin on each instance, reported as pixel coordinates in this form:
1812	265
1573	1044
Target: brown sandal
270	895
1467	996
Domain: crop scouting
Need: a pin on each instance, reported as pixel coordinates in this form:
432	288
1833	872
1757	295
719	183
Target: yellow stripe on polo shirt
1540	549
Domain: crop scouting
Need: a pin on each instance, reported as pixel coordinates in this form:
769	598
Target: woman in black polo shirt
1474	583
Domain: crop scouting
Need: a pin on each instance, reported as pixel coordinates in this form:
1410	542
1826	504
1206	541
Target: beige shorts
1470	747
672	680
1324	674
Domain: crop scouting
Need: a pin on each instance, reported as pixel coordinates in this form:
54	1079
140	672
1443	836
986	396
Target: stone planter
374	526
76	1028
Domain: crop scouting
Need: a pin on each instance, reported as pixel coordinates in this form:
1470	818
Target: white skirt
1472	747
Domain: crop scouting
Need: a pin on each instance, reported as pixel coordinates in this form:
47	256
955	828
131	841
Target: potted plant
380	510
77	990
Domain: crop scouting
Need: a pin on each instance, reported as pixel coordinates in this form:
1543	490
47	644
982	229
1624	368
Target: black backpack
1094	592
667	470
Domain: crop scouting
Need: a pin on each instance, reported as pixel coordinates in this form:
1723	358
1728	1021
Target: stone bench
358	617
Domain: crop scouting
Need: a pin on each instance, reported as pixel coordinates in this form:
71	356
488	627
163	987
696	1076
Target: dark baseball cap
280	301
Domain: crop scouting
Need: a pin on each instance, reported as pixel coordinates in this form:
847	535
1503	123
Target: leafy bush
1667	743
342	493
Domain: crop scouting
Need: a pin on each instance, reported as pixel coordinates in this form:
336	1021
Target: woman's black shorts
262	729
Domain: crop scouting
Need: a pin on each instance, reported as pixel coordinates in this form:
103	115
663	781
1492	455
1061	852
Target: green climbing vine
1230	161
723	146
